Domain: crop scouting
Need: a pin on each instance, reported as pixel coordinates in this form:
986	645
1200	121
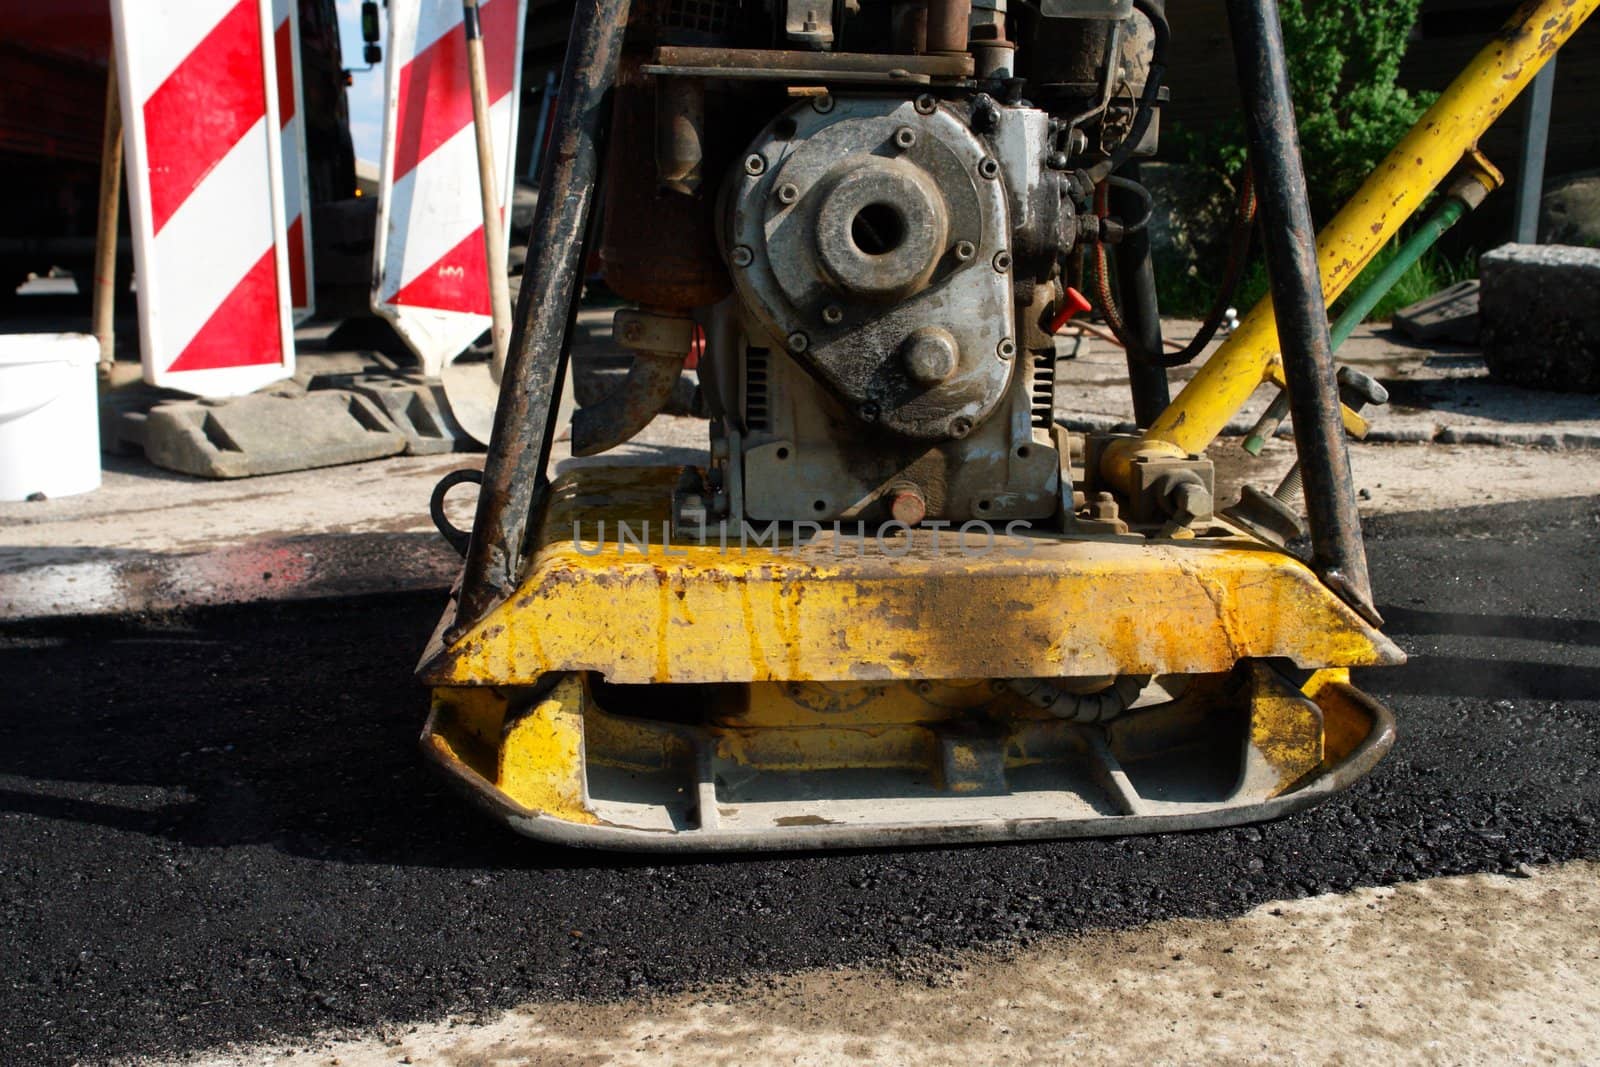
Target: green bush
1344	62
1344	59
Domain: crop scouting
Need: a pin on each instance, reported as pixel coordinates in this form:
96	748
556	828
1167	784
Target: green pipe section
1445	216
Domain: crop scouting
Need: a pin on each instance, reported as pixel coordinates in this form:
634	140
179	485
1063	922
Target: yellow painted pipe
1423	159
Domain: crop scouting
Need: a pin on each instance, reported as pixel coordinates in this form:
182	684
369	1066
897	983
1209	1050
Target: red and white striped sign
431	278
200	133
202	139
296	191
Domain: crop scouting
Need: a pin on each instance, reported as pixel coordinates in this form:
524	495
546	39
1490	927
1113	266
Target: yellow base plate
816	766
840	691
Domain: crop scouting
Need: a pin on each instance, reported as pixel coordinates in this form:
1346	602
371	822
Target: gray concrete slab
1440	393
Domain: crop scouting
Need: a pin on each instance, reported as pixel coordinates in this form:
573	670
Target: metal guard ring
457	538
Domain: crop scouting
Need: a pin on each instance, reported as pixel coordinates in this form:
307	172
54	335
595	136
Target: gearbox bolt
754	164
799	342
908	506
931	355
1006	348
742	256
987	167
960	426
965	250
822	104
1002	262
833	315
788	193
905	137
926	104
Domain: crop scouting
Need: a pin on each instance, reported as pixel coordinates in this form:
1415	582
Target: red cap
1072	305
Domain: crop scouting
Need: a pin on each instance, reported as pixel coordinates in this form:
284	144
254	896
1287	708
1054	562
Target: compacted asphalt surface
215	827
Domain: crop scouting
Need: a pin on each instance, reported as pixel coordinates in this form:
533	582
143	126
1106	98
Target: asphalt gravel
214	826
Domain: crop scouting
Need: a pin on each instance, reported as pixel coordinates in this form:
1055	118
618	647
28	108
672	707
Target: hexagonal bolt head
788	193
754	164
1002	262
965	250
1187	500
960	426
833	315
931	355
822	104
742	256
799	342
926	104
905	137
1006	348
988	167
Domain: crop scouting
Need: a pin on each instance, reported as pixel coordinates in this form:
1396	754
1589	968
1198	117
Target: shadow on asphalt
1461	676
291	725
1567	631
294	725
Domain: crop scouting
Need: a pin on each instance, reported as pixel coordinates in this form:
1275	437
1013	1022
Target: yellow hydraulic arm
1449	130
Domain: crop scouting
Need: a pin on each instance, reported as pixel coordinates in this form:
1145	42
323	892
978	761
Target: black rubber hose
1147	202
1232	275
1141	311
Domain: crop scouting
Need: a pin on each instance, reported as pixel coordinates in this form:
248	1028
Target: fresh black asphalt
214	827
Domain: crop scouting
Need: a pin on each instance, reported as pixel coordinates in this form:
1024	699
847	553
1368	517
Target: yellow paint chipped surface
1039	606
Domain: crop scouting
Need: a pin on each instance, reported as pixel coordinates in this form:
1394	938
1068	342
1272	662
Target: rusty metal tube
908	26
660	339
514	470
627	409
1338	554
949	22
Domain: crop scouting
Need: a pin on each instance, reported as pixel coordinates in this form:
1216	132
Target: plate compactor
897	603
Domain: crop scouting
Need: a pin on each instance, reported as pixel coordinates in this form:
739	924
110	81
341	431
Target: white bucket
49	415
